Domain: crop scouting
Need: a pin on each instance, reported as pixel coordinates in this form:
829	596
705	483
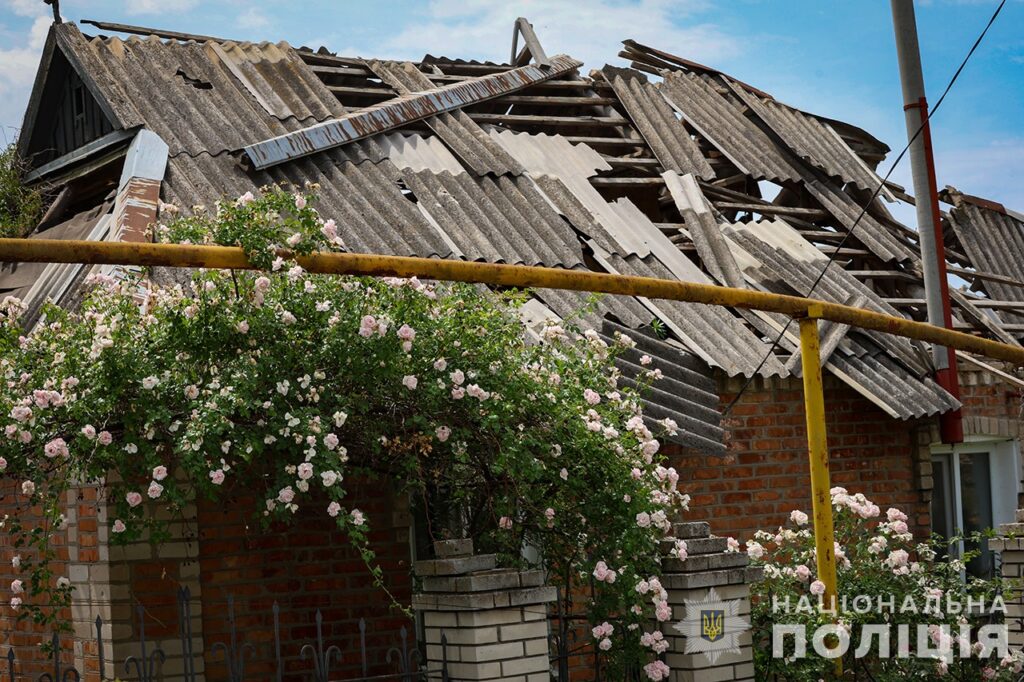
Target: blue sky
833	57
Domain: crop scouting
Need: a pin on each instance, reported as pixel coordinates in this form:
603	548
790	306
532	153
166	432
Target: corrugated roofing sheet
462	135
798	274
563	169
864	359
190	96
624	232
813	141
500	220
657	123
877	237
703	227
711	332
994	241
363	196
715	118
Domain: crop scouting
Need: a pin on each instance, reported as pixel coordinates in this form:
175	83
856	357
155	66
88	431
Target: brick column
494	620
1010	546
111	580
707	566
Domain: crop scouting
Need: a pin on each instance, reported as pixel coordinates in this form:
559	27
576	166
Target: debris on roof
667	168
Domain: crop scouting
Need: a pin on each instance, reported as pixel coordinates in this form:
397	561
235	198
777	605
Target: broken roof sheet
605	192
813	140
994	241
654	118
199	97
746	145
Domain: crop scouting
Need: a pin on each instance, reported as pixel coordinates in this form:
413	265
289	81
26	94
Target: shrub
285	384
20	207
877	561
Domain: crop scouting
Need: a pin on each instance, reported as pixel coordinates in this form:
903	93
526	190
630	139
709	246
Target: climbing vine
288	386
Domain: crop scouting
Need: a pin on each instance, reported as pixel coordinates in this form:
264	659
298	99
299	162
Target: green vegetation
20	206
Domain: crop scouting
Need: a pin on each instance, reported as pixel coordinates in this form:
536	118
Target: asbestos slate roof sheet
722	123
202	97
657	123
994	241
462	135
813	140
363	196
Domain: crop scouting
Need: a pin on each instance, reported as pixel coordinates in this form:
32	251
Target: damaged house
656	166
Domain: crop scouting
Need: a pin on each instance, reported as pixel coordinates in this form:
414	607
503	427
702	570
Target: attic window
197	83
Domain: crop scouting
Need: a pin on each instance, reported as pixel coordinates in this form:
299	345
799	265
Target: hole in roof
196	83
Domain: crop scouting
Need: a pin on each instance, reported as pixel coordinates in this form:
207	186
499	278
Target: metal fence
405	657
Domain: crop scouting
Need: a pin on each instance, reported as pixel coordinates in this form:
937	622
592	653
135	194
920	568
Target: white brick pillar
494	620
1010	546
707	566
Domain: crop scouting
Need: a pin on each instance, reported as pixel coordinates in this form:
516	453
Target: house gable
64	113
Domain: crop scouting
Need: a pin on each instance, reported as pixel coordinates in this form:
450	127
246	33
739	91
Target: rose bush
287	385
877	560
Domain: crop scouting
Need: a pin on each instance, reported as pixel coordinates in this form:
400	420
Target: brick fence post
494	620
1010	547
707	566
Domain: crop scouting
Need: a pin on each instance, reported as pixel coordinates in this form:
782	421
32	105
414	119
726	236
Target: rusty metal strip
400	111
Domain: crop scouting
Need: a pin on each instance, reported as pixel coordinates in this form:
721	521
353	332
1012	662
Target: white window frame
1004	476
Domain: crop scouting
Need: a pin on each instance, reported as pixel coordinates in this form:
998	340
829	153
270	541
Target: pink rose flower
89	431
105	438
358	518
155	490
505	523
305	471
410	382
817	588
406	333
217	476
119	526
440	364
442	433
591	396
333	509
286	494
56	447
300	201
28	488
17	587
802	573
330	441
133	499
159	473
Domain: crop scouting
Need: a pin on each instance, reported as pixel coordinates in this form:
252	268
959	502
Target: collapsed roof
666	169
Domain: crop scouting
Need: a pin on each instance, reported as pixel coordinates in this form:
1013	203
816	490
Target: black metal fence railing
236	654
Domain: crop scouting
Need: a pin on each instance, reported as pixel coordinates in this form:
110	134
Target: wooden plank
626	182
969	310
989	276
884	274
160	33
629	161
361	92
69	159
605	141
531	119
772	209
1016	381
341	70
553	100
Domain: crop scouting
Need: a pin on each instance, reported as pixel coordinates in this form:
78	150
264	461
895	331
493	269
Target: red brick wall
764	473
304	567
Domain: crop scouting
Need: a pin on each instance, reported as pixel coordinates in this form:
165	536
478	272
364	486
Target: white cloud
27	8
483	30
158	6
991	170
37	34
252	18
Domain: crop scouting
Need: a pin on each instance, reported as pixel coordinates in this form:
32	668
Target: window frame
1003	456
